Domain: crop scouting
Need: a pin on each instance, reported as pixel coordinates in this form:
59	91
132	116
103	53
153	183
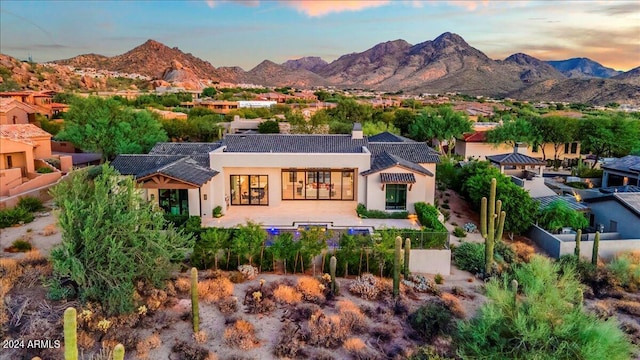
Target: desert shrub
200	337
30	203
105	224
426	353
459	232
630	307
248	272
312	290
287	295
351	316
453	304
143	347
428	217
523	251
545	321
601	280
187	351
49	230
431	319
558	214
228	305
289	344
469	257
420	283
241	335
17	215
183	285
258	300
358	349
214	290
626	268
365	286
504	253
21	245
326	331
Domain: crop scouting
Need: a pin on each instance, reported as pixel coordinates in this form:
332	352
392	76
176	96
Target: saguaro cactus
332	271
396	267
407	254
70	334
489	229
596	245
576	251
195	313
118	352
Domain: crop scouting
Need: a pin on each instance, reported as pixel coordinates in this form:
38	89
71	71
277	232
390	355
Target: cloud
315	8
469	5
618	9
249	3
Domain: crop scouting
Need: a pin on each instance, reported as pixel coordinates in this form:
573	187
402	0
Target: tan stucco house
384	172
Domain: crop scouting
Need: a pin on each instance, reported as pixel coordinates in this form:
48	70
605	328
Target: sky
246	32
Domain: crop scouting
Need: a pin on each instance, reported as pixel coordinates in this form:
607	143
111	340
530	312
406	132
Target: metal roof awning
397	178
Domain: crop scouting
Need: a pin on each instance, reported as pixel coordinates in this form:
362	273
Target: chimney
357	133
520	148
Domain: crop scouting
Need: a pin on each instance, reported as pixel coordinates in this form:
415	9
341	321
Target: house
618	212
384	172
41	101
23	150
623	171
16	112
218	106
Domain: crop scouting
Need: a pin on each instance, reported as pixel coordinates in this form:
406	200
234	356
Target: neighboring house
475	146
42	101
623	171
218	106
618	212
23	148
524	170
16	112
384	172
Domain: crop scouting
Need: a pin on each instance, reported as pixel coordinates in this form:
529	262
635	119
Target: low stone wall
430	262
564	244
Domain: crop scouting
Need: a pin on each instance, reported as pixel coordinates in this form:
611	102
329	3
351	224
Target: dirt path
35	232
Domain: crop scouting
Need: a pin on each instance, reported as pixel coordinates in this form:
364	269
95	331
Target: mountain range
445	64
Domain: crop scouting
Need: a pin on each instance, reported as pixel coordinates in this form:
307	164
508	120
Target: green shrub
379	214
432	319
44	170
10	217
558	214
504	253
193	225
577	185
217	211
21	245
626	268
469	257
459	232
30	203
206	249
438	279
545	320
176	220
428	217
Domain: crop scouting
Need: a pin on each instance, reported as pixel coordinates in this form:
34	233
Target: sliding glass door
249	190
317	184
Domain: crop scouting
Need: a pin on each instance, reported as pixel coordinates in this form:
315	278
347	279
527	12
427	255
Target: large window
174	201
318	184
396	197
249	190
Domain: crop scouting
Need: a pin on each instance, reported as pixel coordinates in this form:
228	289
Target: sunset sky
244	33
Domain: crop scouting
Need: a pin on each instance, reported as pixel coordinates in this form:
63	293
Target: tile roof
385	161
476	136
181	167
22	132
416	152
285	143
397	178
622	189
184	148
629	163
514	159
6	104
388	137
569	200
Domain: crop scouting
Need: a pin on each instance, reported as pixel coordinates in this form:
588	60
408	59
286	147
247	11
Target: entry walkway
290	214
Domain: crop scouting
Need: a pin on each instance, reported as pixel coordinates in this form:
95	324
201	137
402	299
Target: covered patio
291	214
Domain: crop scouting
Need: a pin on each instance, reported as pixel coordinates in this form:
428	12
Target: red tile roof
477	136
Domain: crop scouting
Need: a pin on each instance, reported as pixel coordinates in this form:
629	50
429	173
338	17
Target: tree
248	241
372	128
441	124
96	124
206	249
350	111
269	127
613	135
112	238
556	130
403	119
558	214
512	132
300	125
209	92
541	317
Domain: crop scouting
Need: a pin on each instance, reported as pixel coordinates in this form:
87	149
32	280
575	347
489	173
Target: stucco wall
422	190
271	164
21	154
479	150
42	148
37	182
430	261
21	116
608	210
9	179
193	196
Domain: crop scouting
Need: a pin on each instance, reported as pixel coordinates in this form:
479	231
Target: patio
291	214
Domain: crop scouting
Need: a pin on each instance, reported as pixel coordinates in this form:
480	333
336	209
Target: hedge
428	217
379	214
